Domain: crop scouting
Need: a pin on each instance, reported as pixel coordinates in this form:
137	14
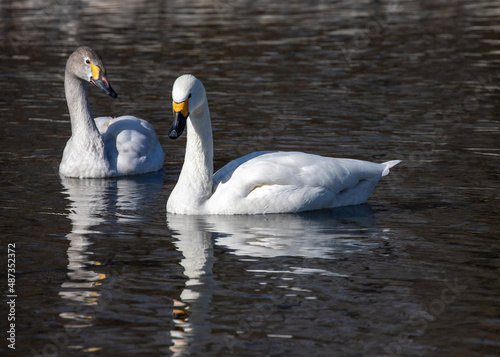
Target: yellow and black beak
181	112
100	81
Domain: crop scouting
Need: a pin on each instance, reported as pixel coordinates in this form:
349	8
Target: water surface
101	270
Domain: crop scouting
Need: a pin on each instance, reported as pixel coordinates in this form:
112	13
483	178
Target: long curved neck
195	180
83	127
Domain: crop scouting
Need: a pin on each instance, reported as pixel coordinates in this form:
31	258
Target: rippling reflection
195	244
318	234
94	203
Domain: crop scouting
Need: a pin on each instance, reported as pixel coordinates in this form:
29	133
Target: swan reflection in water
323	234
93	204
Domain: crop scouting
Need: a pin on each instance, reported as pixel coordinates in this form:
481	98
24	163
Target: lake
102	270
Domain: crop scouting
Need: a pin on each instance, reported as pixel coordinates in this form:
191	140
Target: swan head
86	65
188	95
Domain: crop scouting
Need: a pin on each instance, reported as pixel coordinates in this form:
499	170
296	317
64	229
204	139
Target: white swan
106	147
261	182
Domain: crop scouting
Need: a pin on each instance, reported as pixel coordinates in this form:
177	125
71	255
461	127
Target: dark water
101	270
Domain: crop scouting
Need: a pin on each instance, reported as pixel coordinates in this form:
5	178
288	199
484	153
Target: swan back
277	182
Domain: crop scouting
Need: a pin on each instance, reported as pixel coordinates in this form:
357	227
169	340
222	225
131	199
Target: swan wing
271	182
131	144
225	173
103	123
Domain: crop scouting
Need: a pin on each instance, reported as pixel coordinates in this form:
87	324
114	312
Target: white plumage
261	182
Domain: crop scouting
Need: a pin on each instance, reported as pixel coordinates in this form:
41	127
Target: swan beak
181	112
100	80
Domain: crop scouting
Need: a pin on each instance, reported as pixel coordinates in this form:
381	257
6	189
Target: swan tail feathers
388	165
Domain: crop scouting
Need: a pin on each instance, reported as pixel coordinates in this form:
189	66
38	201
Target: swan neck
82	121
197	170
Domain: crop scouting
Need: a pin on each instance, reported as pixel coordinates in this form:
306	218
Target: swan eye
87	61
189	95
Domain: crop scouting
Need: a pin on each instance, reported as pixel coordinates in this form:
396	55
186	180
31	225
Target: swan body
104	146
260	182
